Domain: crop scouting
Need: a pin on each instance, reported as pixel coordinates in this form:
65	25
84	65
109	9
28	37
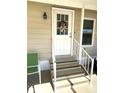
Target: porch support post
81	34
53	42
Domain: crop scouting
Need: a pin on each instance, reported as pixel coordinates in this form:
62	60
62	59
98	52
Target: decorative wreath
62	26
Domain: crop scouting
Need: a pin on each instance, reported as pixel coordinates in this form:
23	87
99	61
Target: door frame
53	32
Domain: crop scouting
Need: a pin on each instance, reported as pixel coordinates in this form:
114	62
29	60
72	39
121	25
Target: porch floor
68	85
79	85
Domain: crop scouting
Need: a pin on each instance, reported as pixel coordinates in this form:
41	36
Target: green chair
32	66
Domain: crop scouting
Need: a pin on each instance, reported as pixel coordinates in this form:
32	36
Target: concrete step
69	77
41	88
63	84
64	90
75	80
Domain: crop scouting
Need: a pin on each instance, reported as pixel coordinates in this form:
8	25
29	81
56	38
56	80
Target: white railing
76	48
54	72
84	58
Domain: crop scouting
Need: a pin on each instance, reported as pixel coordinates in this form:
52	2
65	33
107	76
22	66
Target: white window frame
92	42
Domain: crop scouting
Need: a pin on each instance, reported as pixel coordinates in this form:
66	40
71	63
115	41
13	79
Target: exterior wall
92	50
77	24
39	31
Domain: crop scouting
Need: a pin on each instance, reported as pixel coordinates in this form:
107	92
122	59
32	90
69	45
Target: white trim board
87	4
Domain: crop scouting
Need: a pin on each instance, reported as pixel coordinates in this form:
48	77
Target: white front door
62	30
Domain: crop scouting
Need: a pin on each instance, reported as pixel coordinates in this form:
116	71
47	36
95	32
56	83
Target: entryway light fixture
44	15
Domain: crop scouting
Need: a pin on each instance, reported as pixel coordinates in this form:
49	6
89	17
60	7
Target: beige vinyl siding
77	24
92	14
39	31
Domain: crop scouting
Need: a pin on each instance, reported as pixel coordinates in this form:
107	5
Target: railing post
39	73
54	72
91	72
54	77
88	65
80	54
86	62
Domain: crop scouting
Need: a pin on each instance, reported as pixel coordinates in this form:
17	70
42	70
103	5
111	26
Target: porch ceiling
87	4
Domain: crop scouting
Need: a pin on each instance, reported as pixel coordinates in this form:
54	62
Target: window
87	32
62	24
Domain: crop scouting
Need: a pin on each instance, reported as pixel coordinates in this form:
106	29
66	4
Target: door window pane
58	31
62	25
66	17
66	24
66	31
62	17
58	16
58	23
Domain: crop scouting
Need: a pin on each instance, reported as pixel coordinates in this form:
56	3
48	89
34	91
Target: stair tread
68	71
65	65
64	58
